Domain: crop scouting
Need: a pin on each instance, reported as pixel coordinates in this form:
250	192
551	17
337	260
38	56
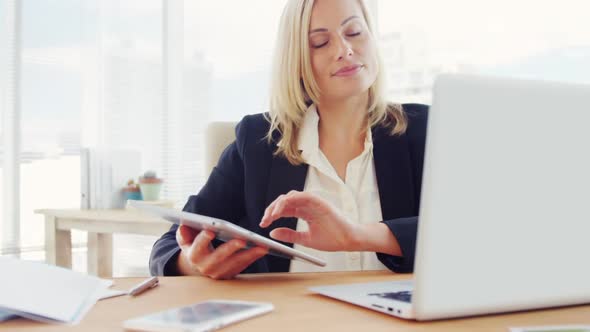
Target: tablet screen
199	313
203	316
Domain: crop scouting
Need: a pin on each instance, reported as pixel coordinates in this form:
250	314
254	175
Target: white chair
218	136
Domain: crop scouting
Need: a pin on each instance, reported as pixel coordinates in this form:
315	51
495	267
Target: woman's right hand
198	257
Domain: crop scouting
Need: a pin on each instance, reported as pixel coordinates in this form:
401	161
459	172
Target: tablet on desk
204	316
225	231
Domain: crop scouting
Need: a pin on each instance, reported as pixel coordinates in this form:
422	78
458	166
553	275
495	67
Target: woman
332	168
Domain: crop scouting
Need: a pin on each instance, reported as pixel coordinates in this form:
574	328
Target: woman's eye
353	34
318	45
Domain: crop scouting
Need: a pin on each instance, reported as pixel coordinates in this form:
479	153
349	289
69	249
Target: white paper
47	293
112	293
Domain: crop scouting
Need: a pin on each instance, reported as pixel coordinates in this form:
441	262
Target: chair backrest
218	136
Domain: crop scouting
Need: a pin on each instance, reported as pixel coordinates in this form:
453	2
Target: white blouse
357	197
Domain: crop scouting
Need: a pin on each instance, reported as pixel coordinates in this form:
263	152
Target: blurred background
143	78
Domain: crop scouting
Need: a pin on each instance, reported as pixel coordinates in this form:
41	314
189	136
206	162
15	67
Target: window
7	55
526	39
10	139
51	103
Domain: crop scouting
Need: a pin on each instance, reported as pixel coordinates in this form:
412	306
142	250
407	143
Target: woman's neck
344	120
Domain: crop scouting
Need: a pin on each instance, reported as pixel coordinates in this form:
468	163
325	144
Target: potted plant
150	186
132	191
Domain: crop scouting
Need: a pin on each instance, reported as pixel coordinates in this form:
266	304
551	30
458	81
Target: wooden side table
100	225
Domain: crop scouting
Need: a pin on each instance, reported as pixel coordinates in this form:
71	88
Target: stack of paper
46	293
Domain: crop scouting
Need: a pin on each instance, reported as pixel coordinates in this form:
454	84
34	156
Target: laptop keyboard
404	296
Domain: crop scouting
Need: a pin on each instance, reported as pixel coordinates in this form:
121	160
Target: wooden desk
296	308
100	225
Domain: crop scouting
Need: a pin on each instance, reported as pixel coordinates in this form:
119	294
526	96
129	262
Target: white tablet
203	316
225	231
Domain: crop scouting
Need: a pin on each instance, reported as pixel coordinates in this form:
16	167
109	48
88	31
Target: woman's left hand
328	228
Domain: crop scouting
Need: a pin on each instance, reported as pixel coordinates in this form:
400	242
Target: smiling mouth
348	71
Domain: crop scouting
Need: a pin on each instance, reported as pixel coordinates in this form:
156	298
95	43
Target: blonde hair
294	88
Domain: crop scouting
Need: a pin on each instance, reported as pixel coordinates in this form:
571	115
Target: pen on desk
143	286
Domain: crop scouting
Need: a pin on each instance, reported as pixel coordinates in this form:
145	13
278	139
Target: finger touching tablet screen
225	231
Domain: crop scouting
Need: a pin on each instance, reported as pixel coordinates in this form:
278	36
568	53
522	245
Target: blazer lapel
394	174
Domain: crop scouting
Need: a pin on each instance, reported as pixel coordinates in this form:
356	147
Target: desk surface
296	308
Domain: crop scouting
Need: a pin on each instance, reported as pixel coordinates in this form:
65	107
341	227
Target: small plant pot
131	192
150	191
132	195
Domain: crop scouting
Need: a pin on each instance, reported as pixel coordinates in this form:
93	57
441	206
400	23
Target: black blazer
248	178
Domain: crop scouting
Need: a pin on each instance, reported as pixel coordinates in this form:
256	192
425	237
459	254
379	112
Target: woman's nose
343	49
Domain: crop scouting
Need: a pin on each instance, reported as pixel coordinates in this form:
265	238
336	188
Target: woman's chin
349	91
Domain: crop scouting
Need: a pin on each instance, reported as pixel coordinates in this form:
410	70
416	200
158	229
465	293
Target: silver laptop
505	209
